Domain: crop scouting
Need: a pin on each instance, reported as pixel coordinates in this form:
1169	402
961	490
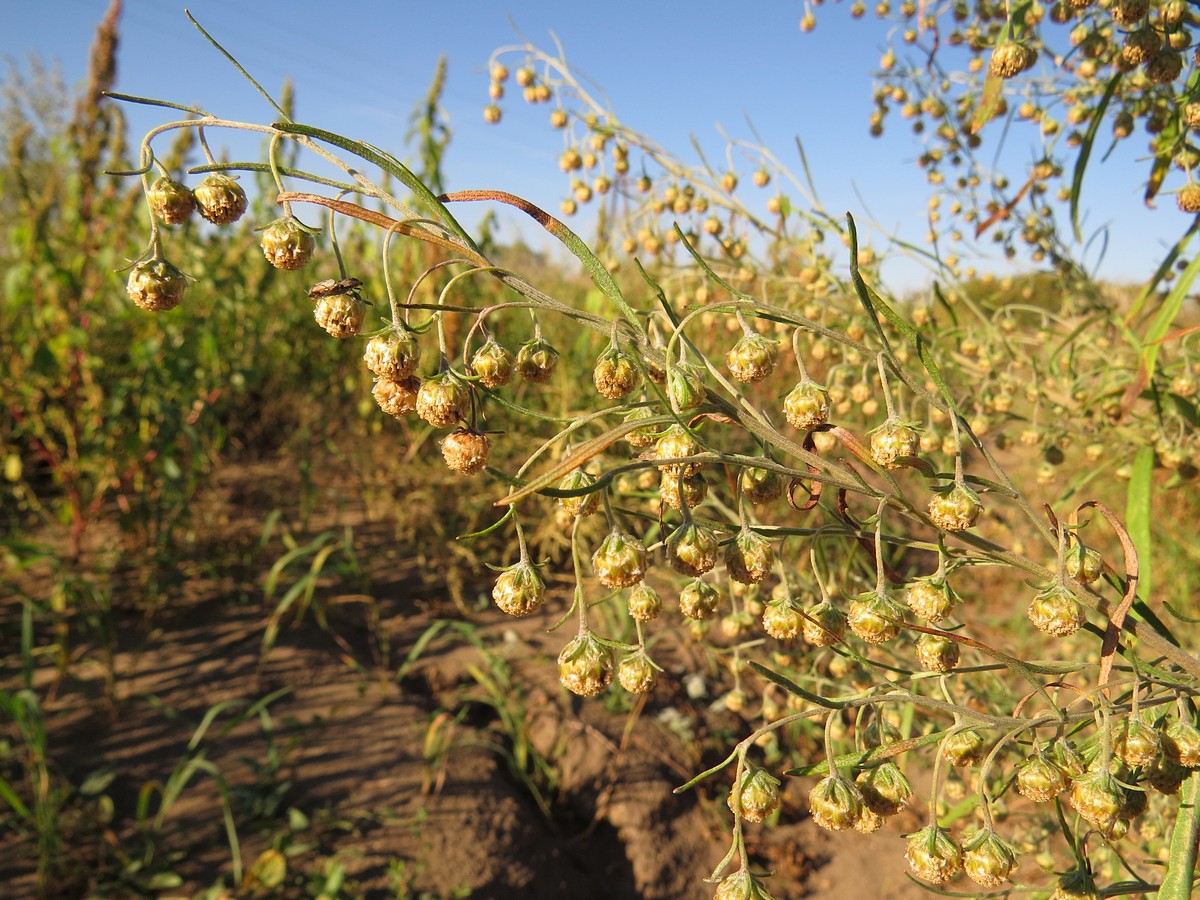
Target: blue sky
360	67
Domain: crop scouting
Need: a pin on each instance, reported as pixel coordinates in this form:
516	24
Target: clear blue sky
670	70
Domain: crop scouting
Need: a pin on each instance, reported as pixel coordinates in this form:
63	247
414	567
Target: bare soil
411	786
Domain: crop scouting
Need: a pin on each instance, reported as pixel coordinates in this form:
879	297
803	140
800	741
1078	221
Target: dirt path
430	784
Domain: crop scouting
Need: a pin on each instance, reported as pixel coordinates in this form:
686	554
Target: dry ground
405	785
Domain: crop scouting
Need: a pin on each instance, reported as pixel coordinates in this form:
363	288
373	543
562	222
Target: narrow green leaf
1138	506
1085	151
1181	861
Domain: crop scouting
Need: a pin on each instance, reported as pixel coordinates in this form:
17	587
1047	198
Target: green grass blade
1181	862
1085	151
1138	506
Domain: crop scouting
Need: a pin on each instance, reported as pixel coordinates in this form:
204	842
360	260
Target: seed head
782	619
637	673
931	598
956	509
892	441
760	485
875	617
341	314
988	858
1099	798
220	199
616	375
396	397
466	450
156	285
806	406
1188	198
676	492
699	600
885	789
692	549
964	748
171	201
937	653
1181	744
677	443
442	400
752	358
1055	611
620	560
1135	742
584	504
1011	58
644	603
393	354
749	558
933	856
824	624
519	590
1041	779
287	245
756	796
585	666
537	360
835	803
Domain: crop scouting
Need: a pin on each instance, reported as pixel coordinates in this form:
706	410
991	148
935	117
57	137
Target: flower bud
585	665
171	201
956	509
466	450
220	199
1135	742
616	375
620	560
287	245
692	549
519	590
699	600
493	364
806	406
752	358
537	360
749	557
685	386
637	673
393	354
442	400
756	796
933	856
156	285
835	803
678	492
1084	564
